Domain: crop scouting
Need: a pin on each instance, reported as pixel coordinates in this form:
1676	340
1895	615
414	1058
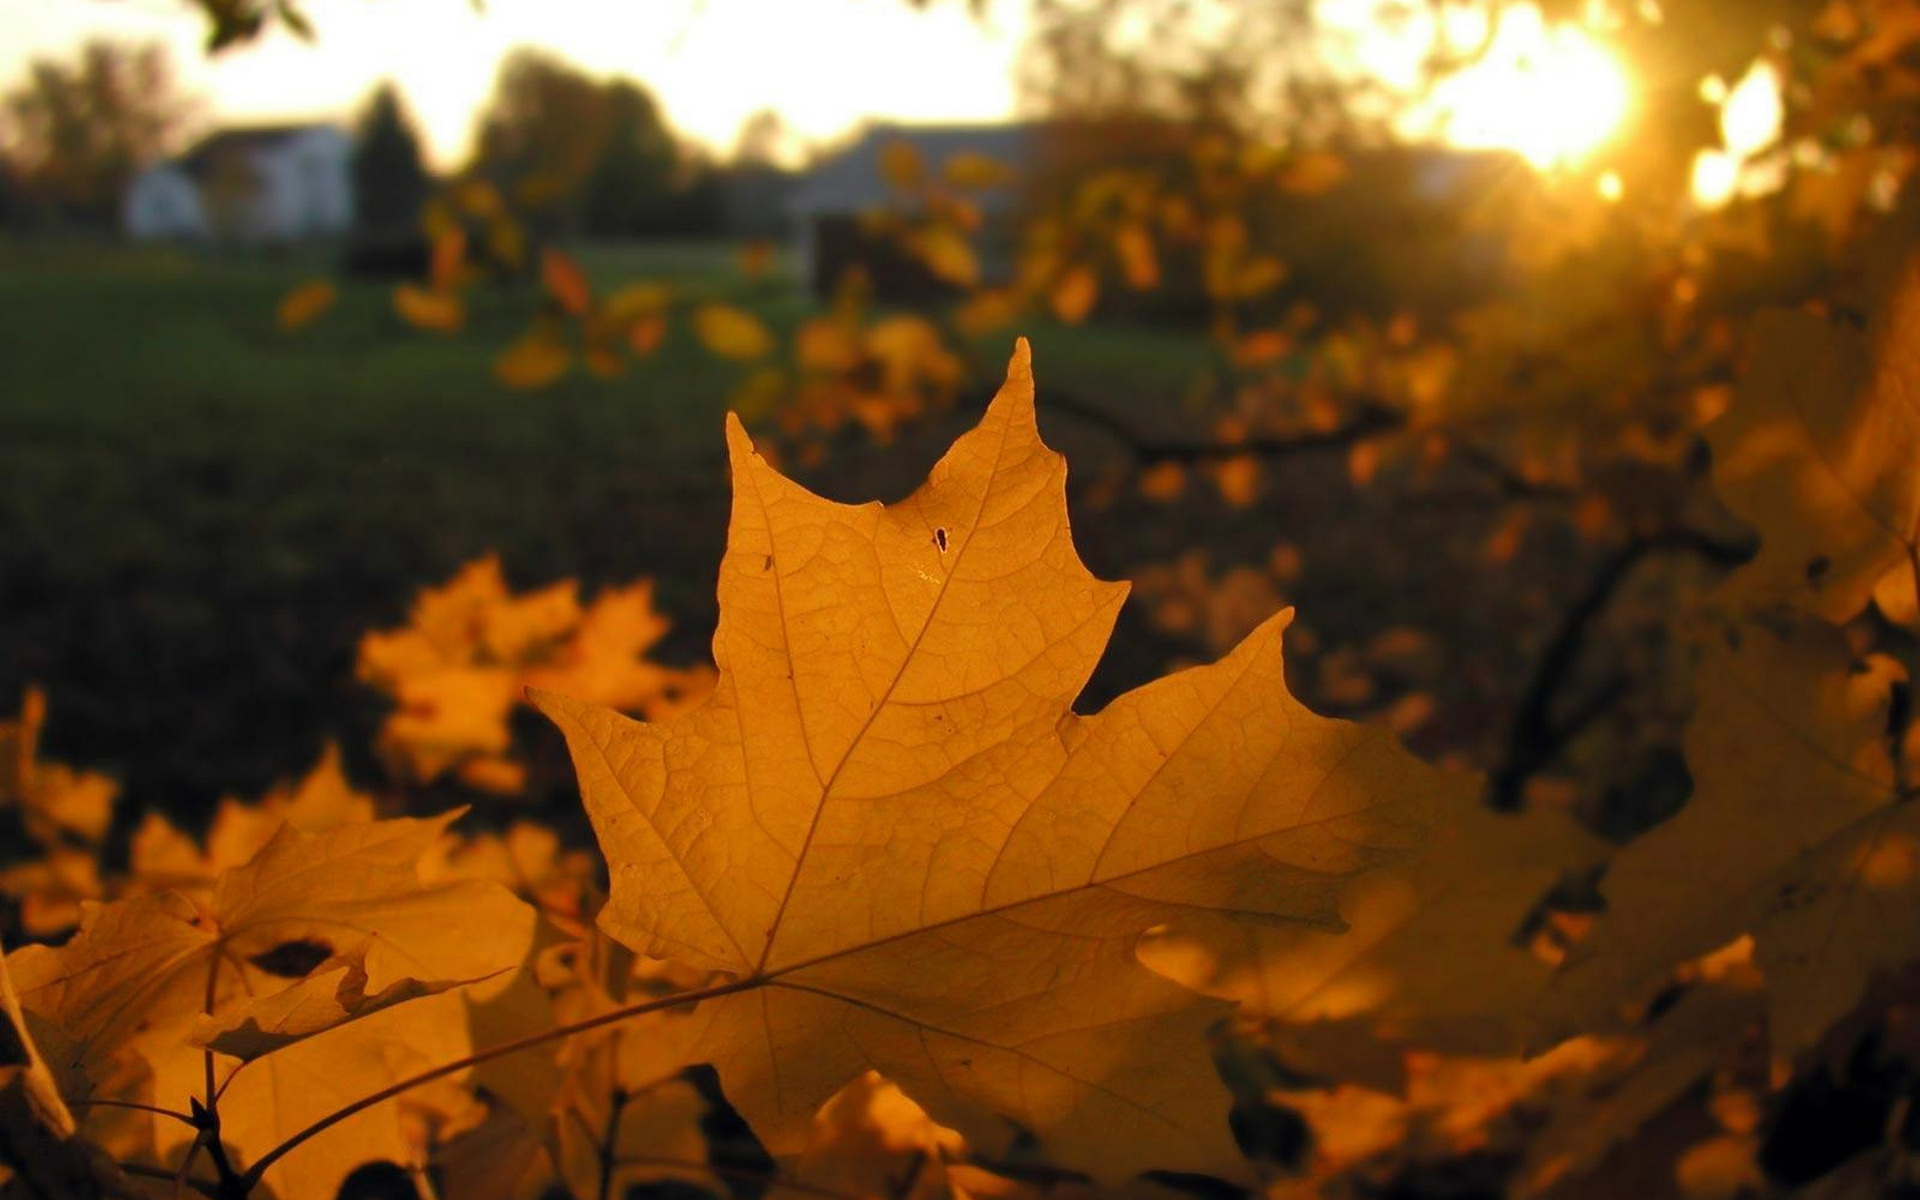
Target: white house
265	185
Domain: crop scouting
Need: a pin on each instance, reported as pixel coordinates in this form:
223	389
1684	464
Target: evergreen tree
389	179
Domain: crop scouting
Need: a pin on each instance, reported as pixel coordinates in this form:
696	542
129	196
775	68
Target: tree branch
1536	738
1368	420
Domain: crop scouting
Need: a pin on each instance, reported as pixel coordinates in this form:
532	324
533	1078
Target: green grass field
200	513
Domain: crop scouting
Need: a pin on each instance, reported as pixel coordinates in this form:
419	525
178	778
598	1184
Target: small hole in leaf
292	960
940	539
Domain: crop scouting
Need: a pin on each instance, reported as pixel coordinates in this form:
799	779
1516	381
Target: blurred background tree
581	155
80	130
390	183
630	188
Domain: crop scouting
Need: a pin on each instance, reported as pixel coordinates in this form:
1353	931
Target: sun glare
1551	94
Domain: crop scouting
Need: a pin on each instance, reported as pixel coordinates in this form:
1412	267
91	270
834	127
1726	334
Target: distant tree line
574	155
73	133
580	155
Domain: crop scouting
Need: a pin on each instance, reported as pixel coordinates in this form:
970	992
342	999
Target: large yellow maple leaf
891	833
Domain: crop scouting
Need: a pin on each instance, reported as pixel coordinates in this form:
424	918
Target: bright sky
824	65
1553	94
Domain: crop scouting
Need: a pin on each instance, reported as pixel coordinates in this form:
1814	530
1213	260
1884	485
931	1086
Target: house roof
203	154
851	181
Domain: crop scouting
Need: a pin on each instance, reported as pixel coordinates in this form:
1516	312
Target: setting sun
1552	94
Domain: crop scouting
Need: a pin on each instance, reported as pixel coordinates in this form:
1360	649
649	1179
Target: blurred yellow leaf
646	333
507	242
1238	479
1138	262
1800	833
826	344
637	300
756	257
448	259
948	255
565	282
987	311
534	361
305	304
901	166
760	394
972	171
1261	348
55	803
1258	277
1074	294
463	662
1314	172
478	199
603	362
1817	452
423	309
1163	481
730	332
911	354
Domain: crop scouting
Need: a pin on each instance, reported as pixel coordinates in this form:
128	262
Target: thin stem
156	1110
206	1054
610	1137
259	1169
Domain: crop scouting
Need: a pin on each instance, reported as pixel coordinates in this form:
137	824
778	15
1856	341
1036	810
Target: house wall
305	189
294	188
161	203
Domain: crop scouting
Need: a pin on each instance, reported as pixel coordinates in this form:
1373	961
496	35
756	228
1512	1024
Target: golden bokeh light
1752	115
